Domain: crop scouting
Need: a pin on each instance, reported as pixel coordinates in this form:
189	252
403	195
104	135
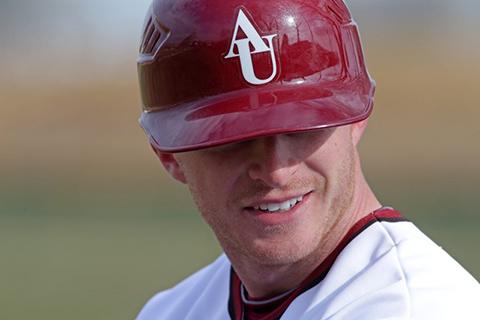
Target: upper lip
257	202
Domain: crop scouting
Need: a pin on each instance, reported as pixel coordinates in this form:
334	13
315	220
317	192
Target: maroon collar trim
236	307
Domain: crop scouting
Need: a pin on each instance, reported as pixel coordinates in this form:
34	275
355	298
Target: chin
280	253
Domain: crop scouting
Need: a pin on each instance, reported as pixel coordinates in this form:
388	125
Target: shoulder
192	296
391	270
436	285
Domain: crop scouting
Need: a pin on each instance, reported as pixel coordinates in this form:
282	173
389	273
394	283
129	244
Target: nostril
255	171
272	177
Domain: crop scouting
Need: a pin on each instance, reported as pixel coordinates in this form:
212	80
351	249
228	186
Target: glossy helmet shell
214	72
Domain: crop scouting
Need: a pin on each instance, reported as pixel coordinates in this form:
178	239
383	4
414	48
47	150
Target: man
258	107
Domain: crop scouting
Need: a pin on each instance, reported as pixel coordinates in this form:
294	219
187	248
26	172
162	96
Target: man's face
273	200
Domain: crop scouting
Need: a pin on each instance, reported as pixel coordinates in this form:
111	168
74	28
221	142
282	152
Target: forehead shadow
309	141
313	140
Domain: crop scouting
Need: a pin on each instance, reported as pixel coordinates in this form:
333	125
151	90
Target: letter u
247	64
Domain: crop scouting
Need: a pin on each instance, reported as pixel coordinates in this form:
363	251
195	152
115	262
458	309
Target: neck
262	281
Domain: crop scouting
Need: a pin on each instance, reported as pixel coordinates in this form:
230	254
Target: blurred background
91	227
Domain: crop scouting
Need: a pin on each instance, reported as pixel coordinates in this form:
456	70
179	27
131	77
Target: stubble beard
288	251
318	246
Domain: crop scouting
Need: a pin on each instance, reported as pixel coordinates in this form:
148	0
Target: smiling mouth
279	207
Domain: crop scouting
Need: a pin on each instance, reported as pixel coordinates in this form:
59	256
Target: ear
358	128
171	165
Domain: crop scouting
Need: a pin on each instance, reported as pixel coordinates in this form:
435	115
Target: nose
272	161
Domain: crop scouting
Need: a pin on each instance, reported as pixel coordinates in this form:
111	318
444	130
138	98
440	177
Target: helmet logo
260	45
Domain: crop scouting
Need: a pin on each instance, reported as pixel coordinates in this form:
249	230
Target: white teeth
279	207
273	207
291	203
286	205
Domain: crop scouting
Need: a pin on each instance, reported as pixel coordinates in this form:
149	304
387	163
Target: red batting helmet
214	71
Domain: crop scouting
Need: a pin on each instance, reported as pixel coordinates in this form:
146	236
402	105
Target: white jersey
385	268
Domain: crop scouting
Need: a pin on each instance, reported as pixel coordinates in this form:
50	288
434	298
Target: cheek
210	183
324	163
212	193
334	163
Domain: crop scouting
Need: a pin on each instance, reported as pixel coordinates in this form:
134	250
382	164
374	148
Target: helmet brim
254	113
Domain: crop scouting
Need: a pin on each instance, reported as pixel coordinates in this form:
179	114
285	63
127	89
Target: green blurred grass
101	252
94	268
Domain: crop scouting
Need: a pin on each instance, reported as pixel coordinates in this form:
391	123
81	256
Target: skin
227	182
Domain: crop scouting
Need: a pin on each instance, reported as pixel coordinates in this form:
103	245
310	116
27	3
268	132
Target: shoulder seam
404	275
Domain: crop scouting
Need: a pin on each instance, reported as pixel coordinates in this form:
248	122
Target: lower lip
280	217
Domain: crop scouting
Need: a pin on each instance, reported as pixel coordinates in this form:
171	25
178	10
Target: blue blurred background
90	226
